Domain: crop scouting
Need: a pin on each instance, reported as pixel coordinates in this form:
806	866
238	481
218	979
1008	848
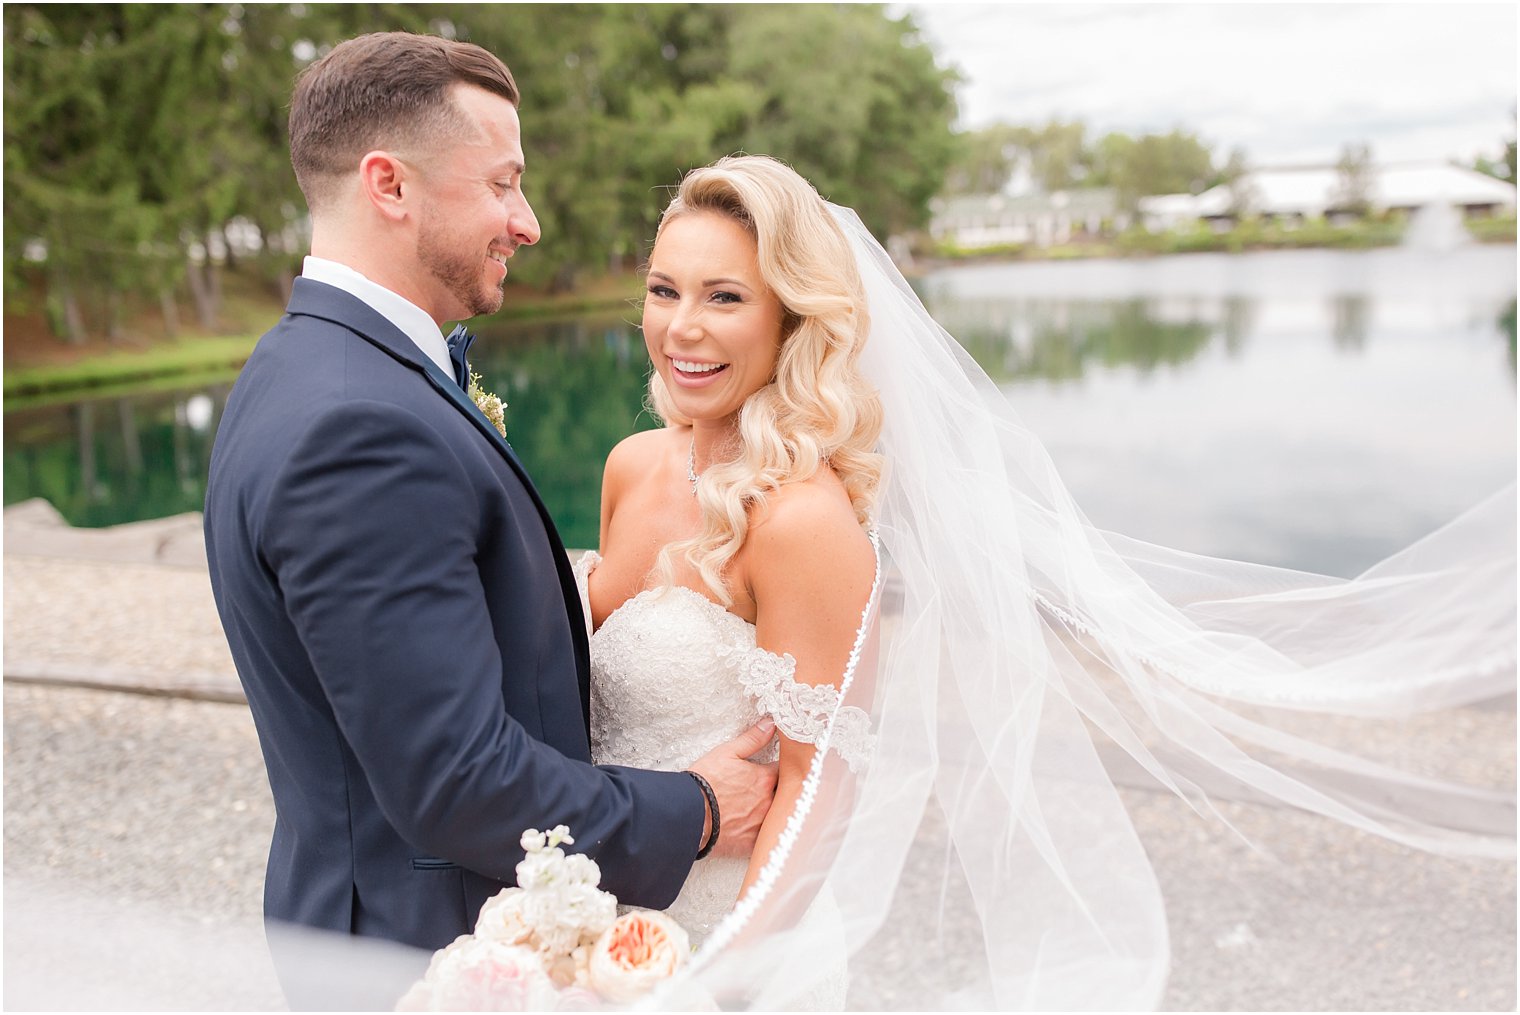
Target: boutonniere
489	403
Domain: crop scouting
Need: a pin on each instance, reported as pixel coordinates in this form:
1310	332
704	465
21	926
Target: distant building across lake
978	221
1305	192
1030	217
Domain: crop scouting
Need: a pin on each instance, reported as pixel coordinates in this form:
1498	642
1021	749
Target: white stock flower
581	869
539	936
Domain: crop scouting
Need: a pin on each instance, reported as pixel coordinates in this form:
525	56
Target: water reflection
1314	410
1507	328
103	462
1060	340
573	390
1349	330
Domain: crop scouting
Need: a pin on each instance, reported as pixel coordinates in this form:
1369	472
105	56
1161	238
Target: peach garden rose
552	942
641	948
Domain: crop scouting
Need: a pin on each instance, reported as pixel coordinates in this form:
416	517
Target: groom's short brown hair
387	90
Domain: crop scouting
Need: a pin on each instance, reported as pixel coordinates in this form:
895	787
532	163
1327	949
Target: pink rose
641	948
482	974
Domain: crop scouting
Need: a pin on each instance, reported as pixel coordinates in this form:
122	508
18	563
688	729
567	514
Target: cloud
1285	81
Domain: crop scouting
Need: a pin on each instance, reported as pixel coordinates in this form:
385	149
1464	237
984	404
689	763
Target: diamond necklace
691	465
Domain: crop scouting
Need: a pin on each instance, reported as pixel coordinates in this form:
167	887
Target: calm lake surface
1309	409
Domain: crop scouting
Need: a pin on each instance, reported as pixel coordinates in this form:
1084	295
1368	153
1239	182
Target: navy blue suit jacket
406	626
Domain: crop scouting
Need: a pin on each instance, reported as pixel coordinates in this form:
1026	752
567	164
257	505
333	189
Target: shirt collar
414	322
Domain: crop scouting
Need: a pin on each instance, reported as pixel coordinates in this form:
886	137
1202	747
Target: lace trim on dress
801	711
582	570
766	881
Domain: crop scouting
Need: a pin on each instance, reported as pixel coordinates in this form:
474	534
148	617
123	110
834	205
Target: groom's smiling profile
398	603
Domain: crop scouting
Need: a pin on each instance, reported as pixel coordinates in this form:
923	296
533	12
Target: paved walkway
125	608
136	824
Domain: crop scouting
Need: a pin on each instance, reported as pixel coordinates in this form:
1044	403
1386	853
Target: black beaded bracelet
712	807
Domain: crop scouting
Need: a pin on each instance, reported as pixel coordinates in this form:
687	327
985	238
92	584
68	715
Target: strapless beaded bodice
664	680
673	675
666	689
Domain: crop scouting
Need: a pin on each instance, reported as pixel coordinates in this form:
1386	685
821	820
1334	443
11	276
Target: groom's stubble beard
460	273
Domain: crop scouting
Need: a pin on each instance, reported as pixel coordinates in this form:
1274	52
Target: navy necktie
459	346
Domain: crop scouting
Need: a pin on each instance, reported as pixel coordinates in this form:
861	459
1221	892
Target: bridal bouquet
555	942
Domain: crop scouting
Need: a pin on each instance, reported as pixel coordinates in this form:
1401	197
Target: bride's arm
810	568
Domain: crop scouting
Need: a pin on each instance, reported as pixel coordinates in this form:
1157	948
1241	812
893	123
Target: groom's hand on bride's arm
744	789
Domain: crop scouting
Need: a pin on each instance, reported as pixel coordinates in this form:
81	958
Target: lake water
1309	409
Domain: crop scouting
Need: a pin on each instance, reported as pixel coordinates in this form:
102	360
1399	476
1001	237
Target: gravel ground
136	827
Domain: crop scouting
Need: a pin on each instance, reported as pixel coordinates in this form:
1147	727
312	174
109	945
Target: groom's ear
384	182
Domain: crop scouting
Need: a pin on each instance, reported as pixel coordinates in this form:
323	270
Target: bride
844	525
736	566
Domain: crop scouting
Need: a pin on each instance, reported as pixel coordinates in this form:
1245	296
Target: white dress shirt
414	322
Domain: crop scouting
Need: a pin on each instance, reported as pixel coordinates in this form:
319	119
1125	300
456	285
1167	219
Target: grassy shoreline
1249	236
210	359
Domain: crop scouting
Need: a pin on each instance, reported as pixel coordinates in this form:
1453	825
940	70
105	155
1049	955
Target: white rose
501	918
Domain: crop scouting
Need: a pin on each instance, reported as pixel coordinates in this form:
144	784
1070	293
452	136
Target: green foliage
1502	168
1492	229
1354	170
1258	234
133	132
852	99
1173	163
1056	156
950	250
1059	156
122	368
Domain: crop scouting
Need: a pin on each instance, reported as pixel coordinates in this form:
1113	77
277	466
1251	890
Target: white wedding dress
673	675
984	859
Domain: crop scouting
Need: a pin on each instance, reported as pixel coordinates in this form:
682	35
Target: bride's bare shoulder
639	454
810	526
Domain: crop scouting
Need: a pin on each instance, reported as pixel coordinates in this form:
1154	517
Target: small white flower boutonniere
488	403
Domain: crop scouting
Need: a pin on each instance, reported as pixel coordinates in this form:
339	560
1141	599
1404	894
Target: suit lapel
317	299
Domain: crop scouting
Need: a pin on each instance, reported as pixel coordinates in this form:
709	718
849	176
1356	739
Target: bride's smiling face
712	327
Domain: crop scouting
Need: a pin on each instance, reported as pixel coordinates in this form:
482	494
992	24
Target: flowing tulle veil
1016	657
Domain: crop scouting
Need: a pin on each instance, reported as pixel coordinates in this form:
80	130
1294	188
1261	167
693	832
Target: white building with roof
1037	219
1298	193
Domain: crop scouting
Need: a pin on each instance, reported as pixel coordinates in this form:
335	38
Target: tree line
1061	155
146	145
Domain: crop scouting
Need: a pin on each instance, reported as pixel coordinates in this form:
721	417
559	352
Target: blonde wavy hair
817	411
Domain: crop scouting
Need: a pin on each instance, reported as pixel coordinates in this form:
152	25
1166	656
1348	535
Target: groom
398	603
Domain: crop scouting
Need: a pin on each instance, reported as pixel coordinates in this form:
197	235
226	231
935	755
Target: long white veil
1019	655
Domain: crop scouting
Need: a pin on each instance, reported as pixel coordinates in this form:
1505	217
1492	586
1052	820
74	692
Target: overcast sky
1288	82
